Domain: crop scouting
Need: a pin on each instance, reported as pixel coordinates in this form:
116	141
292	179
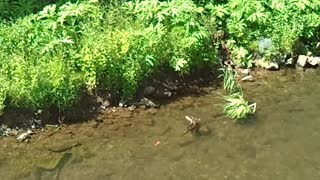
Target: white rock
132	108
289	61
121	103
105	104
248	78
309	54
24	136
302	60
245	71
148	103
167	93
273	66
314	61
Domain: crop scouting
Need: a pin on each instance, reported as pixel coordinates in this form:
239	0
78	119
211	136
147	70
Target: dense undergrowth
53	51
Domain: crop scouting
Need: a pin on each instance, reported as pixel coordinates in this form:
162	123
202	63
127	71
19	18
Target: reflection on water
282	143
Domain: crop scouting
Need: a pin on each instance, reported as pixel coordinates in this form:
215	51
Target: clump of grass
229	83
237	107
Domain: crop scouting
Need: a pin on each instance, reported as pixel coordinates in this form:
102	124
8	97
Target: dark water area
280	143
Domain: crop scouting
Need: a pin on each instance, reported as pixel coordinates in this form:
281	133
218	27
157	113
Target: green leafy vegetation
52	52
285	22
51	57
237	107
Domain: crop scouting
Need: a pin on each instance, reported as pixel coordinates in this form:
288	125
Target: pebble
167	93
245	71
121	103
24	136
248	78
132	108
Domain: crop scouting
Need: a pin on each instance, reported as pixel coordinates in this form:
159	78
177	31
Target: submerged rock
248	78
63	147
245	71
51	164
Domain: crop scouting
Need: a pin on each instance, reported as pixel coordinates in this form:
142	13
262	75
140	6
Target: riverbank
159	90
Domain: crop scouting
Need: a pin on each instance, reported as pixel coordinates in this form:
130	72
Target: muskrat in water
194	125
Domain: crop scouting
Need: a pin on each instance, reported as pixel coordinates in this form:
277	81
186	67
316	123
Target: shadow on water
54	171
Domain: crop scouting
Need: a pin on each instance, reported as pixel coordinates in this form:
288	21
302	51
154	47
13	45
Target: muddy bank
158	90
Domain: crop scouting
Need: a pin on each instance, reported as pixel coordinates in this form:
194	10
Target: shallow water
280	143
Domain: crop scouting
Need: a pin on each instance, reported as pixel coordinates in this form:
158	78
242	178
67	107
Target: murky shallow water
281	143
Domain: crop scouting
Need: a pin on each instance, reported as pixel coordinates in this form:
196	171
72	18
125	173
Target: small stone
245	71
289	61
248	78
121	103
24	136
105	104
314	61
302	60
272	66
132	108
147	102
39	111
167	93
309	54
148	91
12	132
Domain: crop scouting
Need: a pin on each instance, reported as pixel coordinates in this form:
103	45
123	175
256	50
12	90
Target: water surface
280	143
